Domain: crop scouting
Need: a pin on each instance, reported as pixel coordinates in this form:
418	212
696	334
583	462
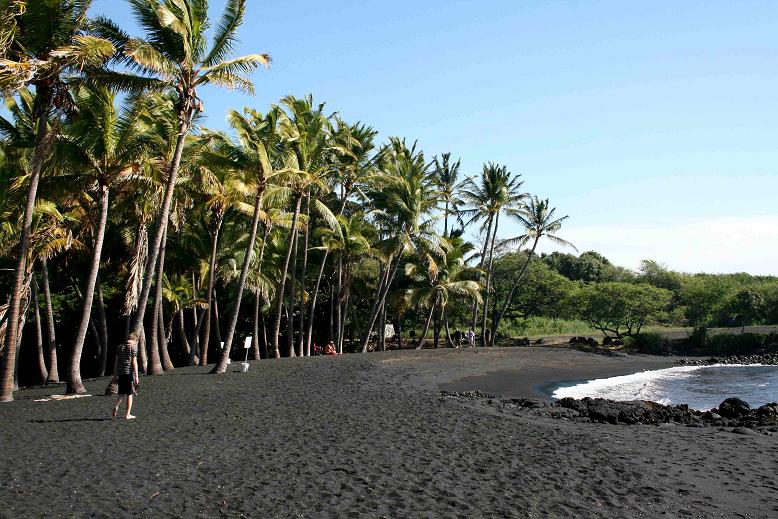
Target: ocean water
701	387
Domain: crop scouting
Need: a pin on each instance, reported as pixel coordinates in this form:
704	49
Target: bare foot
115	410
129	417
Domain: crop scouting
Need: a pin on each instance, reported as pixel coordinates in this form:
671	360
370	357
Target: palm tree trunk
156	345
221	367
480	266
185	120
198	317
209	296
383	275
42	372
423	336
489	279
301	338
43	141
282	282
53	377
342	332
290	342
217	320
255	353
338	308
185	347
498	317
142	357
381	298
103	322
74	384
165	332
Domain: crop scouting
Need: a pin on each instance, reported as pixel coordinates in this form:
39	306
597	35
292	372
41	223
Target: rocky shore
731	413
768	359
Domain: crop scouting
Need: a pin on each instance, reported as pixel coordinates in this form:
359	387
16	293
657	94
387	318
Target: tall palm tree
539	221
46	42
254	156
176	54
497	191
101	143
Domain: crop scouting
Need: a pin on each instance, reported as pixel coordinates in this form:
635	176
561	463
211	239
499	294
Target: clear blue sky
654	125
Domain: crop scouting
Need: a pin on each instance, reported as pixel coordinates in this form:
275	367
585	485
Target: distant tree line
619	301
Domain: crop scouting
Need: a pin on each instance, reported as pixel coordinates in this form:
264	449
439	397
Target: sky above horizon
653	125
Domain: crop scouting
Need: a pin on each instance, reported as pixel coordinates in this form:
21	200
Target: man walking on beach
125	371
470	338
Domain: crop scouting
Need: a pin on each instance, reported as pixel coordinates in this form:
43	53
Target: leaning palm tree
253	155
101	144
539	221
43	42
175	53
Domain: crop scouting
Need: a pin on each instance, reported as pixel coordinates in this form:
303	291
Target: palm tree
176	54
497	191
46	42
539	222
401	214
254	156
102	144
446	175
224	191
439	277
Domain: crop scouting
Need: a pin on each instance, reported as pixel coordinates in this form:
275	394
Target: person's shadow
64	420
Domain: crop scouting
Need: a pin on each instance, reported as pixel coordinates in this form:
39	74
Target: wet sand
369	436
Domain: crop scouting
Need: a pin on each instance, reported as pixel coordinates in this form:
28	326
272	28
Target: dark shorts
125	384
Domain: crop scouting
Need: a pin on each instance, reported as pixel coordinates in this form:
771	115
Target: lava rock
733	408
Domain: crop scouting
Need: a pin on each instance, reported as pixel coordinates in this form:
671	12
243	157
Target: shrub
741	344
648	343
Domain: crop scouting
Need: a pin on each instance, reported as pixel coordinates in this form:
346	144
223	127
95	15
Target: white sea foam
645	385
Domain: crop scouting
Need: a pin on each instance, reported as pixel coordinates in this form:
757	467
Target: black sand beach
369	436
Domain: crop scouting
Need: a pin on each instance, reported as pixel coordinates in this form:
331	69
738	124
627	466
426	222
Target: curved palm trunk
74	384
42	373
498	317
489	280
480	266
380	299
423	337
43	142
209	297
221	367
165	333
185	120
282	283
53	376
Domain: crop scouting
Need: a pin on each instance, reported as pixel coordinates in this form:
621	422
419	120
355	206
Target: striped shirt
126	353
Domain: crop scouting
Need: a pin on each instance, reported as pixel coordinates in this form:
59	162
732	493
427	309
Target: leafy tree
619	308
746	307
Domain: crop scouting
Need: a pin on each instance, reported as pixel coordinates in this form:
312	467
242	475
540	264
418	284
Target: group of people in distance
468	337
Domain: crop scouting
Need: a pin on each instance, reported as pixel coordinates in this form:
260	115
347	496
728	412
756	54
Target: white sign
247	343
389	331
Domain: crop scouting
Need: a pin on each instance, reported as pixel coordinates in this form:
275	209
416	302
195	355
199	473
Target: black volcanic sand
369	436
